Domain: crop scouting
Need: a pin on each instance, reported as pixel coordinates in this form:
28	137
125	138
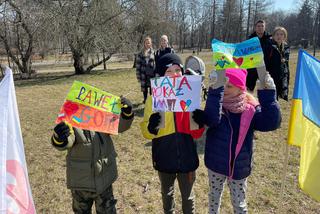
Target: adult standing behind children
265	41
232	115
91	163
145	67
174	151
164	48
278	65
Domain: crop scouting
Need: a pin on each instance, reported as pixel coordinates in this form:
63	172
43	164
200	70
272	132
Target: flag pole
284	175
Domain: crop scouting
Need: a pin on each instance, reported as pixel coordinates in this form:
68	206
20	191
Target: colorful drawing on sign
176	94
87	107
247	54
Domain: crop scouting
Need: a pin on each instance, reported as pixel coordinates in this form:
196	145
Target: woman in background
278	66
145	67
164	48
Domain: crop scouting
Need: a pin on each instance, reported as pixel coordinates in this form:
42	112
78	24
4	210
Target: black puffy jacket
278	66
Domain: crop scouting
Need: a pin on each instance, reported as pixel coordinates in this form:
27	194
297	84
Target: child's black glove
154	121
62	131
199	117
285	97
205	93
126	106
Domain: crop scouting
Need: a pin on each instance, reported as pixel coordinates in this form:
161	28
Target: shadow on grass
148	144
51	78
44	79
138	109
200	145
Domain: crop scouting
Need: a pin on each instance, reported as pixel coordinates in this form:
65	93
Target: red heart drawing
238	61
70	108
185	105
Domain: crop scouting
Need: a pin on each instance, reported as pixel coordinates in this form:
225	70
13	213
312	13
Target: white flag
15	192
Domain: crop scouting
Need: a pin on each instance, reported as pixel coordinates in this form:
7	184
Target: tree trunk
176	34
99	63
134	60
226	34
23	63
207	45
180	38
78	62
26	67
140	42
191	36
316	30
98	57
248	20
240	22
167	10
213	21
8	58
255	12
104	60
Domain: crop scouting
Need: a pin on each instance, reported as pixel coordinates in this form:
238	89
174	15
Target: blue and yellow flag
304	126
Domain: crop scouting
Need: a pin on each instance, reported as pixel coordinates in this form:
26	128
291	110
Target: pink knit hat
237	77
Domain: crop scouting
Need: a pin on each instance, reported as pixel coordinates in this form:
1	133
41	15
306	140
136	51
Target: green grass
138	187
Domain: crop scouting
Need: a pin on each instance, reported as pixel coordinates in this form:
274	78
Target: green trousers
185	181
82	202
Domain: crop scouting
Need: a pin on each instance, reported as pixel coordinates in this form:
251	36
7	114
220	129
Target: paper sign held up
90	108
176	94
247	54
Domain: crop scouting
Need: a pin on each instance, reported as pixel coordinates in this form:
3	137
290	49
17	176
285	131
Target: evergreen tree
305	23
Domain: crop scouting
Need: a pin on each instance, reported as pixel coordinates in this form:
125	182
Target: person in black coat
145	67
265	41
164	49
278	65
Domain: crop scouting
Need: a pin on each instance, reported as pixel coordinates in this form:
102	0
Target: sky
286	4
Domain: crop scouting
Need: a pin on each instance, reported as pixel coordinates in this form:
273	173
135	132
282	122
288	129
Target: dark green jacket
91	160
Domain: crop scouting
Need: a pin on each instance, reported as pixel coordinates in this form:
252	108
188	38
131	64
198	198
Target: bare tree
304	21
276	18
182	24
230	15
145	20
249	17
316	26
260	9
240	21
18	26
213	19
91	26
201	29
153	18
193	11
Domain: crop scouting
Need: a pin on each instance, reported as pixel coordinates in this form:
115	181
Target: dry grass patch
138	187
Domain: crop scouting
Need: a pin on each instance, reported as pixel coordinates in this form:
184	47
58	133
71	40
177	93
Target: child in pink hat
237	77
232	115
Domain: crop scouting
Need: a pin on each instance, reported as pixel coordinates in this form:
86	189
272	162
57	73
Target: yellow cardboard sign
90	108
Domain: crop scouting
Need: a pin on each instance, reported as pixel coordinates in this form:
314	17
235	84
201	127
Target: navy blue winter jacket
223	132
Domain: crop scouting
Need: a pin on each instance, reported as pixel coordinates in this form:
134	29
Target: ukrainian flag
304	126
